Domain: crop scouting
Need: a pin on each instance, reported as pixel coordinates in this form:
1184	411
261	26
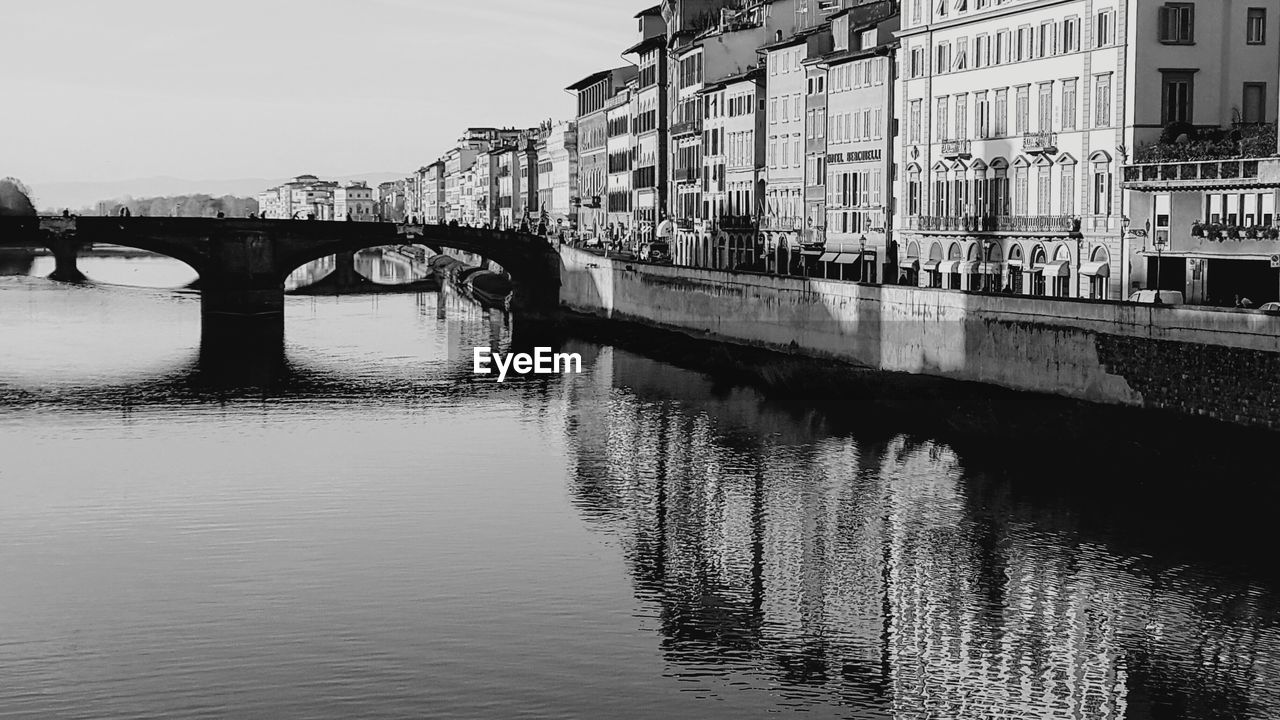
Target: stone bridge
243	263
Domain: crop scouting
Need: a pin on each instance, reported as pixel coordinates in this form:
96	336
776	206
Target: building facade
593	94
1202	177
618	148
649	126
354	202
856	228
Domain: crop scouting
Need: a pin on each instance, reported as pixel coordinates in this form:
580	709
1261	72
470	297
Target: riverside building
705	49
354	202
1202	177
783	225
1007	161
593	93
649	125
1016	117
856	233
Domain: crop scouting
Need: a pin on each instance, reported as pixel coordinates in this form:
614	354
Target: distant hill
53	197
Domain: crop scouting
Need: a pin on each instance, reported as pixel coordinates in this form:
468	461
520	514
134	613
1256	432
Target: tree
15	198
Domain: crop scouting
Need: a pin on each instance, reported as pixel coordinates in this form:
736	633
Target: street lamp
862	262
1159	242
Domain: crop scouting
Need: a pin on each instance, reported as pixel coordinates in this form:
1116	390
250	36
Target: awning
827	257
946	267
991	268
909	264
847	258
931	266
968	268
1100	268
1059	268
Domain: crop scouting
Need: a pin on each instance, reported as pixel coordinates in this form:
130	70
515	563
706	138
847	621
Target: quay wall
1215	363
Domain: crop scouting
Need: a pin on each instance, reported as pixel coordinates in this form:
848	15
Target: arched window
998	193
1038	256
953	253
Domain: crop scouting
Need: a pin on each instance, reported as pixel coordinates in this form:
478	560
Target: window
913	121
1253	109
1068	104
913	193
1043	194
1044	121
1048	38
942	62
942	119
1102	101
982	112
1177	23
1103	27
981	51
1071	34
1021	188
1101	189
1068	190
1176	96
962	117
1002	47
1002	113
1022	111
1255	27
961	60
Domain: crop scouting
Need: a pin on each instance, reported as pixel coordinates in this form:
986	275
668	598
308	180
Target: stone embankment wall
1221	364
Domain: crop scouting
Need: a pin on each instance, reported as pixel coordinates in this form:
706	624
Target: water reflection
339	512
884	574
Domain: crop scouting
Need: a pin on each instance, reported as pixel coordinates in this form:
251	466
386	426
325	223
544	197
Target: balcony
1020	224
688	174
1040	143
688	127
781	223
956	149
737	222
1217	174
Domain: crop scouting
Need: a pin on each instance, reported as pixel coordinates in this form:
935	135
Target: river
355	525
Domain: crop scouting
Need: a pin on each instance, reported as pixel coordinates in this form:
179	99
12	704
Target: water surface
351	524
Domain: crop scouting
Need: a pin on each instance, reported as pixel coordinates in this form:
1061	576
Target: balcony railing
1236	171
952	149
688	127
1040	142
994	223
737	222
781	223
1221	232
688	174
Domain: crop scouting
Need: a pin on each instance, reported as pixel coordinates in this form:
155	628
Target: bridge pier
241	297
344	270
65	250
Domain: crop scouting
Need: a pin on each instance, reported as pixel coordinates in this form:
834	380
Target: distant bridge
243	263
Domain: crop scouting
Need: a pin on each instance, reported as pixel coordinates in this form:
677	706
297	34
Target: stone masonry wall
1218	363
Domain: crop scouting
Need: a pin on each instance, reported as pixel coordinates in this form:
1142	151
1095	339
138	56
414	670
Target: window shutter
1167	24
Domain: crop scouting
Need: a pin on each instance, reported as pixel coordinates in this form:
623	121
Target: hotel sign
853	156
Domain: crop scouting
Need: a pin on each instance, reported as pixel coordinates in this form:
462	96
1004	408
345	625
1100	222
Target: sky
105	91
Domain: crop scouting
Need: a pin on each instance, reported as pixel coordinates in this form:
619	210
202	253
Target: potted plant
1214	231
1197	229
1270	232
1252	232
1233	232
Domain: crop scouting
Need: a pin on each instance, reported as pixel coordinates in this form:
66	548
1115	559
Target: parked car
1167	297
1272	306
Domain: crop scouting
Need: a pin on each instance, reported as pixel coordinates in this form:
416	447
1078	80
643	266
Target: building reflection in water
879	574
392	265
